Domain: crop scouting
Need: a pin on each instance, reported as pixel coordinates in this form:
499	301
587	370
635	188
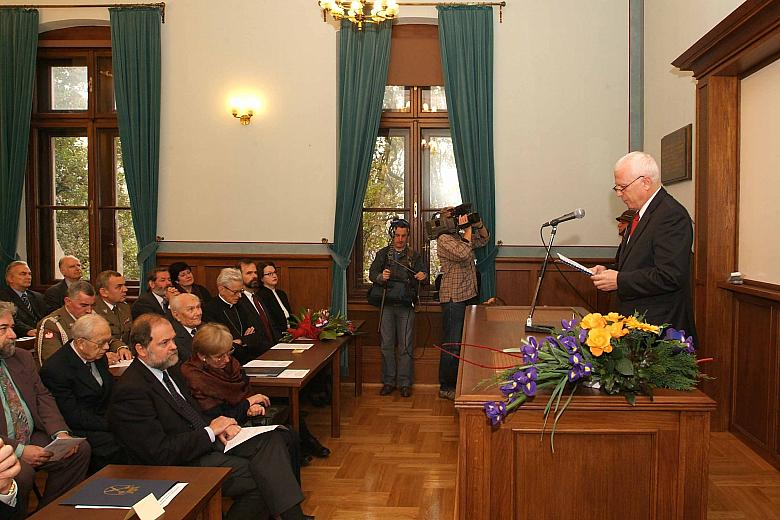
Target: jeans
452	316
397	329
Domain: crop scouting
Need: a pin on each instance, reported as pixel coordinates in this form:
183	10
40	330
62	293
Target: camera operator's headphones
396	223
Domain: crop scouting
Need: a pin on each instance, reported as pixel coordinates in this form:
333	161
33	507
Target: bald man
70	267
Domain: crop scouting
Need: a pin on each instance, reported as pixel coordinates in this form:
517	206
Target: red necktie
263	318
634	223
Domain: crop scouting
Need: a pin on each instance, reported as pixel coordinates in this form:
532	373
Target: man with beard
33	421
251	301
155	300
156	418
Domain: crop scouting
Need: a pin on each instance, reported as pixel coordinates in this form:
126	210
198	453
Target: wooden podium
611	460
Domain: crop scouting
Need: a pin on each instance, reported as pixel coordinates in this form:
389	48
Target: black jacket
183	339
238	320
25	320
146	303
55	296
279	323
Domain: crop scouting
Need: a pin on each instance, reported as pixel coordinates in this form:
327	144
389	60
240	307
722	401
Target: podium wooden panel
611	460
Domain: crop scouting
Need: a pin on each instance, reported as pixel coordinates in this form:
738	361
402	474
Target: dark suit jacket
654	266
81	400
183	339
24	320
43	408
55	296
146	419
146	303
120	322
278	321
252	345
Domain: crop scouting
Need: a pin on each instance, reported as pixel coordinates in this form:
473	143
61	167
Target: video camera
446	222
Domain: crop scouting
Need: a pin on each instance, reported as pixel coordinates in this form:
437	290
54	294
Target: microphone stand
529	322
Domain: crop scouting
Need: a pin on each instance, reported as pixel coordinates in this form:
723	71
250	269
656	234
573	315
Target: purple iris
531	373
579	371
569	343
679	335
520	377
495	411
509	388
583	336
575	359
568	325
529	388
530	354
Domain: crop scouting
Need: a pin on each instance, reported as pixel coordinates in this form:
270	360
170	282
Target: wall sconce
243	108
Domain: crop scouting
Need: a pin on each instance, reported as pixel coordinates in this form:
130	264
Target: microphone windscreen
579	213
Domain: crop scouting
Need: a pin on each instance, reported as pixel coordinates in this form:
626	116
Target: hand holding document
121	363
61	446
247	433
576	265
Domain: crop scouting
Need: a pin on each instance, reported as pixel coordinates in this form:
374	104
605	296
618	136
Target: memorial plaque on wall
676	156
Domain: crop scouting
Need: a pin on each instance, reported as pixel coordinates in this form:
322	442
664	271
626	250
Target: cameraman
458	286
397	270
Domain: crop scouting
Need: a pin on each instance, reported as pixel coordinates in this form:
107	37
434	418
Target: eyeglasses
97	343
272	273
617	188
231	291
224	355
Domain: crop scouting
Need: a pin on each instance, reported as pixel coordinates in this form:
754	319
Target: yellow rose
598	341
616	330
613	317
632	323
593	321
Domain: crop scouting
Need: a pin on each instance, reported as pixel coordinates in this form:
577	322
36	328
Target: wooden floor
396	459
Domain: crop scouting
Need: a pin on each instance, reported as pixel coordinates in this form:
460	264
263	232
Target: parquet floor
396	460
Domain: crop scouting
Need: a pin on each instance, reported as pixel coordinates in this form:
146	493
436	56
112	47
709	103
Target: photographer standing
458	286
397	271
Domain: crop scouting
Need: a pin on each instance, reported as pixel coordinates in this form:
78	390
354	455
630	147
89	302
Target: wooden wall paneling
753	394
775	335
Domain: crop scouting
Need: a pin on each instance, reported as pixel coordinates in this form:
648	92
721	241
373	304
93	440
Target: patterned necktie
186	409
194	330
264	318
95	373
21	424
26	302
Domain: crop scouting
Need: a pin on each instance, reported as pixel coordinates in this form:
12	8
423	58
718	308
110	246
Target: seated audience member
9	468
154	416
77	376
33	421
275	300
184	281
240	320
160	290
70	267
110	304
254	302
221	387
54	329
185	315
30	305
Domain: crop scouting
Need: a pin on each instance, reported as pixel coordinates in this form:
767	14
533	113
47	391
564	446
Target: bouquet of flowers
318	325
618	354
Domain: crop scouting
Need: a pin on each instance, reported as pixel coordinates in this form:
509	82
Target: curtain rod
160	6
500	6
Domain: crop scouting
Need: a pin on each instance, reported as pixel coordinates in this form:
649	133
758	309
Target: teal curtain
135	43
363	60
18	49
466	41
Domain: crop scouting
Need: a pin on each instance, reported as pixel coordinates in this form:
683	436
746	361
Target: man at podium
651	274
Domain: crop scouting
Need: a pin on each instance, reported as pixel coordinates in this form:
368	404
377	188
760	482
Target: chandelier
360	11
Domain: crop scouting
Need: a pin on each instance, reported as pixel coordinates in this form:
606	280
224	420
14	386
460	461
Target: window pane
70	170
69	88
126	246
105	85
387	177
71	236
396	99
434	99
122	197
375	236
441	175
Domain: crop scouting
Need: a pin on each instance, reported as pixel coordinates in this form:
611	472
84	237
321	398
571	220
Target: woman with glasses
183	279
221	387
273	299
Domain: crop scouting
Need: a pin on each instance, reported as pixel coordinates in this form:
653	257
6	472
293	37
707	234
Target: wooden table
201	497
611	460
314	359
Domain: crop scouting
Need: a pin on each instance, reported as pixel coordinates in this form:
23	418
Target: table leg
335	398
358	366
295	408
213	509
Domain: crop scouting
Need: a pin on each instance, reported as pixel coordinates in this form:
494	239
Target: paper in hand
576	265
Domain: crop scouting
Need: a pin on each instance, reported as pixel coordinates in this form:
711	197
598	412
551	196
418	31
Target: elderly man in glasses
77	376
652	274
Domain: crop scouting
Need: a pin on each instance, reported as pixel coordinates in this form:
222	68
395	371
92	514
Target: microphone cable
557	268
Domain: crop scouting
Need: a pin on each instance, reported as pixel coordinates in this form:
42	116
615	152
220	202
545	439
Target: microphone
577	213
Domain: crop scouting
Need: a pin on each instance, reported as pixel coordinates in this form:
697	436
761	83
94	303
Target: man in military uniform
110	304
54	329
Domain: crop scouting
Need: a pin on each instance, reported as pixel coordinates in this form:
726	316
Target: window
77	196
412	176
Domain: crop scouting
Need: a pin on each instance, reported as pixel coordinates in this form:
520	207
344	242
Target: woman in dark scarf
221	387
